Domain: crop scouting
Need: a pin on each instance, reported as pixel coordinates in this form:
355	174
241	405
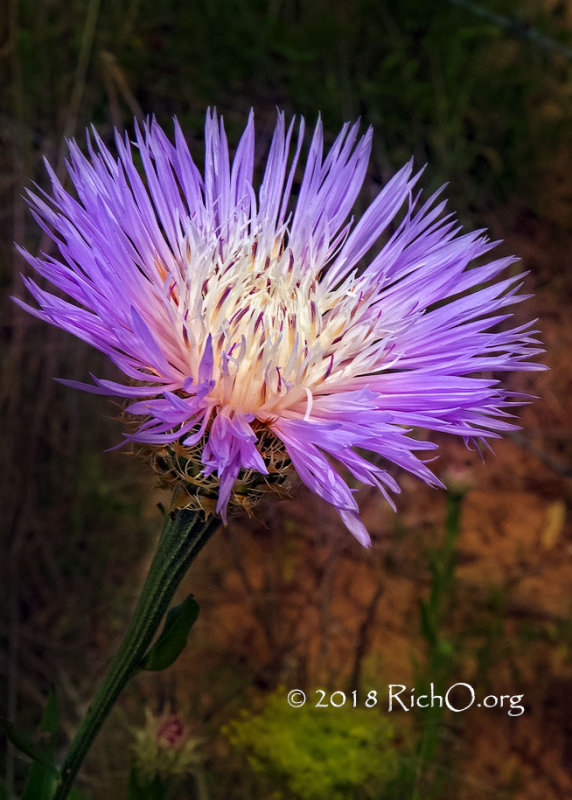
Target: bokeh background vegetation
474	588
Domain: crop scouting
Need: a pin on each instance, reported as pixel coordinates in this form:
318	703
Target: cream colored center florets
278	334
276	331
267	328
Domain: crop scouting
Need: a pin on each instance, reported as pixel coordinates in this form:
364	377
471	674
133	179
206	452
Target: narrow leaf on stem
173	638
25	744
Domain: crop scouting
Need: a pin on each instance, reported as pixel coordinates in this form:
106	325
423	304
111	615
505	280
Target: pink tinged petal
187	172
131	391
230	447
368	473
154	432
272	186
293	165
243	166
196	437
355	526
231	443
310	178
106	387
207	361
341	405
160	180
314	468
316	472
217	174
199	389
328	191
151	350
228	476
372	224
400	453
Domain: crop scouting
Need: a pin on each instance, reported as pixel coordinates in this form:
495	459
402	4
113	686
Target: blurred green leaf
140	789
51	717
41	783
25	744
174	635
427	623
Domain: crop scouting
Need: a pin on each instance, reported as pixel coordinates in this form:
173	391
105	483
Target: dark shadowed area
470	586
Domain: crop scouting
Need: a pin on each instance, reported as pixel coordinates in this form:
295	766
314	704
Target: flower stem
184	535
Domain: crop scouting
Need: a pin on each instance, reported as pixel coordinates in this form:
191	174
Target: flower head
166	745
251	323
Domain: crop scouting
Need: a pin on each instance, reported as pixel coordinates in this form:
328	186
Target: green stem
184	535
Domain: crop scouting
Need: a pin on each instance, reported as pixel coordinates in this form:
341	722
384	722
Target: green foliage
442	562
25	744
140	788
51	716
41	783
173	638
43	775
317	753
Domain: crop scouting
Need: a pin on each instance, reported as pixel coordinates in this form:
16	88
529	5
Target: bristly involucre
237	314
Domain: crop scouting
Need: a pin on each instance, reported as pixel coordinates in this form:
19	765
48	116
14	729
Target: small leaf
51	717
174	635
41	783
25	744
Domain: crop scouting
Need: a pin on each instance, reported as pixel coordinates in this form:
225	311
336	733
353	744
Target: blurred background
470	585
